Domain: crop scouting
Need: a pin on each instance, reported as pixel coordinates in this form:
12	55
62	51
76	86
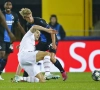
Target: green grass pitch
76	81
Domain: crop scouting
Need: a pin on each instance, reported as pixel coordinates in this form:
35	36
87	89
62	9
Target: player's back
28	42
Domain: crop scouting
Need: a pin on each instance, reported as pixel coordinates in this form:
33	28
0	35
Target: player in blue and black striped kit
5	42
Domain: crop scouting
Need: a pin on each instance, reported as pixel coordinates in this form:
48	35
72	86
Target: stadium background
80	50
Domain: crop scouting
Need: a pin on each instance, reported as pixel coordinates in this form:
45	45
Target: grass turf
76	81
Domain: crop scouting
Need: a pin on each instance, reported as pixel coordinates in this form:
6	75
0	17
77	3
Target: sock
2	65
36	79
46	63
59	66
25	74
29	79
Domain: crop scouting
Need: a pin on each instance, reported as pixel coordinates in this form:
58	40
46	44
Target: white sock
28	79
36	79
46	63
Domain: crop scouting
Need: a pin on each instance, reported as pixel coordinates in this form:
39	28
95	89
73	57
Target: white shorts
27	61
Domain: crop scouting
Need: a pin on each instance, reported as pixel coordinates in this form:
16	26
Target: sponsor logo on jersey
9	22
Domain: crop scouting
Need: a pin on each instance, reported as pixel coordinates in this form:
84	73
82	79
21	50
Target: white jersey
28	42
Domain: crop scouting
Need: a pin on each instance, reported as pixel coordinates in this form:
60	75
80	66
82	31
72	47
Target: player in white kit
28	56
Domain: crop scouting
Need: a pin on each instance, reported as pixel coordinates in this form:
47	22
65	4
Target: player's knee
53	59
47	54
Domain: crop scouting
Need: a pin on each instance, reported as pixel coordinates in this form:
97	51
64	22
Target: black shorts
44	46
5	46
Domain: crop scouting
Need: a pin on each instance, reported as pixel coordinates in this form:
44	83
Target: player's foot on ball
51	76
64	75
1	78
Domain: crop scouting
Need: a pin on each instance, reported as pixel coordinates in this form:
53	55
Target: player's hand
52	31
12	36
54	46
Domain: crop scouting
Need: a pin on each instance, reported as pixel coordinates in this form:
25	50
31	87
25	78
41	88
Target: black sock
2	65
59	66
25	74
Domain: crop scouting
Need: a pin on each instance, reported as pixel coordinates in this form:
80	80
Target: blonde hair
24	12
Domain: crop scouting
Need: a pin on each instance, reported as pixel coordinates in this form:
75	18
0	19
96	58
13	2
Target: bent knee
47	53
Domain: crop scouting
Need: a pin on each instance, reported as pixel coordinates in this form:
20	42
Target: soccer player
45	39
3	24
11	20
28	55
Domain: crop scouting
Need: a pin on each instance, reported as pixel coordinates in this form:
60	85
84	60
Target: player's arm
18	25
20	28
44	24
53	41
4	24
37	27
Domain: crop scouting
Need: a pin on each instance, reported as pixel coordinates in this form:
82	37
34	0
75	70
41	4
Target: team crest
12	17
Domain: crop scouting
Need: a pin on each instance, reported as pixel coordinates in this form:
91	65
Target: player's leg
45	56
34	74
57	63
43	46
46	64
2	60
40	77
27	79
8	51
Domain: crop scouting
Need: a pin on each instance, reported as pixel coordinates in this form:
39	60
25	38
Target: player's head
26	14
53	19
37	34
8	5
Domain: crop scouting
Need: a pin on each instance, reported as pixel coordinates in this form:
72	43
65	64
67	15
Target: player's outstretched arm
37	27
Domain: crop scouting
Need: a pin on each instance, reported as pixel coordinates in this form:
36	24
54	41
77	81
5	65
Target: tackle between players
44	42
28	55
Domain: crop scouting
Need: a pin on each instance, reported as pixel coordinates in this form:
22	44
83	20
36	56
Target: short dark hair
8	1
53	15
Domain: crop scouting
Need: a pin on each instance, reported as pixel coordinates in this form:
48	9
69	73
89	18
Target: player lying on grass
28	55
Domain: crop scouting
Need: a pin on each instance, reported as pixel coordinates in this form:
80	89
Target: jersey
28	42
11	19
44	37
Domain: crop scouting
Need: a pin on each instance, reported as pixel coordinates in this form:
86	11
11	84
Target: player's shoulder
14	13
38	18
